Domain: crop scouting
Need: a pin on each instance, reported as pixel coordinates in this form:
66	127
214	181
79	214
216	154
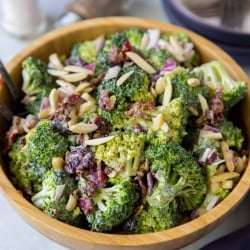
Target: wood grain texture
60	41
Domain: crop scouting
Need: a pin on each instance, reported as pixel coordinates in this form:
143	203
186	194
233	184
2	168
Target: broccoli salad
128	133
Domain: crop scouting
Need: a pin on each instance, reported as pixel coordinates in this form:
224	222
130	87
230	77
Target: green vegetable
113	205
233	91
122	154
179	80
156	57
134	37
231	134
53	203
179	177
86	51
36	82
34	159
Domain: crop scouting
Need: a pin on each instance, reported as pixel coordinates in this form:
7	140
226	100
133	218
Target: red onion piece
89	66
169	65
213	203
59	192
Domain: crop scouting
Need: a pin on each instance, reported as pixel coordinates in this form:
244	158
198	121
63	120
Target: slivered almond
83	128
152	90
157	122
71	123
124	78
177	50
140	62
167	92
53	100
74	77
72	202
66	85
160	85
88	97
212	85
144	41
228	184
80	88
228	156
88	89
56	72
212	135
193	82
224	176
87	106
193	111
98	141
55	61
44	113
203	102
240	164
77	69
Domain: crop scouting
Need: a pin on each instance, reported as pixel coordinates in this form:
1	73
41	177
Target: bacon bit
137	109
142	186
73	100
105	102
115	56
216	109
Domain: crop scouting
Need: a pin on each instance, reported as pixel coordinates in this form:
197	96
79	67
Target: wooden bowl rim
37	218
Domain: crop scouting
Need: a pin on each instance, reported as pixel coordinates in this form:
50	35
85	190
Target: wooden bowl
60	41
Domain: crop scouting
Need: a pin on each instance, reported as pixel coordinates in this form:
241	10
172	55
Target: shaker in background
78	10
22	18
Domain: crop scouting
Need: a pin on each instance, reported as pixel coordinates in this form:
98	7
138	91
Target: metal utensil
15	93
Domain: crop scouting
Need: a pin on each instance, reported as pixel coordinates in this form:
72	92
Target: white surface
15	234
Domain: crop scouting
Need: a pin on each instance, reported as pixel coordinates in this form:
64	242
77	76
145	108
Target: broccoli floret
113	205
19	170
179	80
134	37
231	134
179	177
174	120
233	91
57	187
125	94
86	51
184	40
36	82
118	39
42	143
154	219
205	143
156	57
122	154
139	80
101	64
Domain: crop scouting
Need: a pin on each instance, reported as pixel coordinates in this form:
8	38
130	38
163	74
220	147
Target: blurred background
22	21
